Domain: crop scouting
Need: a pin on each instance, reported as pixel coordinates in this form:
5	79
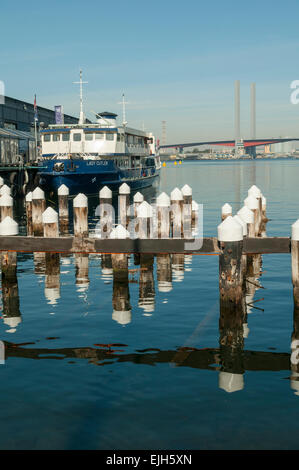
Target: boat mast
123	102
81	83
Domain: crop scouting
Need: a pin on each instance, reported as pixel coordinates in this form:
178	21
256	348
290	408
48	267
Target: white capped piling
1	182
256	192
253	204
5	190
195	211
50	222
163	215
144	217
226	211
28	206
230	238
137	200
6	206
63	209
247	215
241	222
106	212
264	206
176	199
80	206
244	257
120	260
8	227
187	210
124	204
38	207
295	262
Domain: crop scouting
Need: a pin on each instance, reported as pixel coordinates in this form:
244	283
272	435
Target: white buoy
9	227
230	230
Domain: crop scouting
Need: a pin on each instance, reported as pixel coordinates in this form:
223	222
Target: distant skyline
175	61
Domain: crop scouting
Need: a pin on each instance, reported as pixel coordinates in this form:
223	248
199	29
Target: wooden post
187	211
164	273
256	192
252	203
147	284
123	204
119	260
226	211
80	205
176	199
194	220
247	215
137	200
52	260
230	238
6	206
244	257
28	205
38	207
163	215
63	208
5	190
1	182
8	227
106	212
144	217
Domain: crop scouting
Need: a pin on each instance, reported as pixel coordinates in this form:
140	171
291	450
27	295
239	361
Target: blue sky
174	60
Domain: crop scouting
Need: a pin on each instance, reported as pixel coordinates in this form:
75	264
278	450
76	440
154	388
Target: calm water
79	374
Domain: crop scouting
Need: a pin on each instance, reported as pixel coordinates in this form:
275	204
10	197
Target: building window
77	137
99	135
110	136
89	136
56	137
47	137
65	137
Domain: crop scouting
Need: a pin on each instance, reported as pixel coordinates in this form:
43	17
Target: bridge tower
252	150
237	116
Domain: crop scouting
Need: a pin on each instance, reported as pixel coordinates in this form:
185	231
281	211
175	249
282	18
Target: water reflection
230	359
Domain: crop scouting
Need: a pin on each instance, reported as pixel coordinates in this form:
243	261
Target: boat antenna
100	116
123	102
81	83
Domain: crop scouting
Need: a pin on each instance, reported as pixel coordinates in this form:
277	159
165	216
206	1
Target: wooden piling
144	218
137	200
252	203
63	209
247	216
187	211
52	260
28	206
8	227
176	199
124	204
230	239
119	260
106	212
6	206
80	207
38	207
163	215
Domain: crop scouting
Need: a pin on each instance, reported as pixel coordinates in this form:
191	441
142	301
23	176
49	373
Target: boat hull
89	177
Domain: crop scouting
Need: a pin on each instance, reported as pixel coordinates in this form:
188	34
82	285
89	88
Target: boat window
118	137
65	137
137	162
135	139
89	136
47	137
110	136
77	137
56	137
99	135
130	139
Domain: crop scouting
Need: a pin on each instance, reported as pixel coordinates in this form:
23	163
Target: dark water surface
156	376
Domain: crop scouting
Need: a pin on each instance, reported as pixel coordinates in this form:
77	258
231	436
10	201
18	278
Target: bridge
249	144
